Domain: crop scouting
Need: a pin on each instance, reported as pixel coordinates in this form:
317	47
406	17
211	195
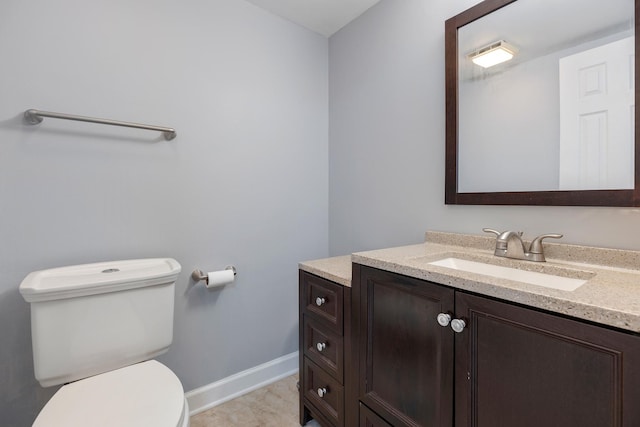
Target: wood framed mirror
556	125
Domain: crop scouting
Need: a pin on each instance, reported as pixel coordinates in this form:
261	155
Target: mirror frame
544	198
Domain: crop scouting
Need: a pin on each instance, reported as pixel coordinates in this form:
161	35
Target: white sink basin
530	277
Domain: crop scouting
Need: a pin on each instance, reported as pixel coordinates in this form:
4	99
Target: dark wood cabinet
368	418
514	366
406	358
325	327
517	366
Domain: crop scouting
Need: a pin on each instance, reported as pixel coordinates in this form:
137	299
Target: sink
530	277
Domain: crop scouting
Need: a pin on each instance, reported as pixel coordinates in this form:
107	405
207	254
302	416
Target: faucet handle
491	230
536	244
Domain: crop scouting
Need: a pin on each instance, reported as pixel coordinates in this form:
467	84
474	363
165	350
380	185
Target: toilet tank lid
97	278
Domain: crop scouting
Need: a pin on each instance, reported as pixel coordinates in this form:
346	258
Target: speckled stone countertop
337	269
611	295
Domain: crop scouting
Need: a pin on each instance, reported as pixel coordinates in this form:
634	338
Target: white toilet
95	328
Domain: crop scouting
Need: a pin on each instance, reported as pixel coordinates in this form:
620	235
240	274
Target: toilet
96	328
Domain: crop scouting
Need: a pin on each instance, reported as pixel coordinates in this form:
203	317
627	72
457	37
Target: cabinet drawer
323	392
368	418
322	300
323	347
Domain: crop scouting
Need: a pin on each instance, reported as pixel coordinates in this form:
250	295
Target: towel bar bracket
31	118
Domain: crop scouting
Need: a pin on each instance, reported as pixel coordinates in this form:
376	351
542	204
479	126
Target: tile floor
275	405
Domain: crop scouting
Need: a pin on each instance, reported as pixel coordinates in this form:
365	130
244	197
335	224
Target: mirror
556	123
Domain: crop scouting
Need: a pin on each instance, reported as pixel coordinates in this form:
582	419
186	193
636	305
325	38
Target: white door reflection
596	118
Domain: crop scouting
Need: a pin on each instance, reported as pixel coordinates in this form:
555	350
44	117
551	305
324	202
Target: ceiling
520	24
322	16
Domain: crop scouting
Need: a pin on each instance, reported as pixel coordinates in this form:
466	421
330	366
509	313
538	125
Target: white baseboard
210	395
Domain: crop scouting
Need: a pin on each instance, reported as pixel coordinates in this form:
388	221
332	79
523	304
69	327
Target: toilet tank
93	318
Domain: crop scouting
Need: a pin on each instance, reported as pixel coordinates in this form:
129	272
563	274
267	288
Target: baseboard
210	395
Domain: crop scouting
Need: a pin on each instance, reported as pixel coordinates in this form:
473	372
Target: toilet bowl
144	394
95	329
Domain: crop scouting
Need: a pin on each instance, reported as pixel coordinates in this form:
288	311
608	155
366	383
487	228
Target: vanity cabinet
406	358
508	366
368	418
520	367
325	328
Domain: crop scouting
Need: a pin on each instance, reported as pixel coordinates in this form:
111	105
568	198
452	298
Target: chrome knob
458	325
444	319
320	301
321	346
322	392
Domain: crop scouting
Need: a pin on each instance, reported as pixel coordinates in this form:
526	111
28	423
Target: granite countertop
337	269
611	295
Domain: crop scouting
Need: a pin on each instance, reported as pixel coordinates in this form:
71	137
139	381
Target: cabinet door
405	356
520	367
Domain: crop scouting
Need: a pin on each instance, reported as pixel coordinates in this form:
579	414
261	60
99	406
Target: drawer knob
321	346
458	325
322	391
444	319
320	301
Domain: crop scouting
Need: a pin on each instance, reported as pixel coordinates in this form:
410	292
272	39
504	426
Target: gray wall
244	183
386	142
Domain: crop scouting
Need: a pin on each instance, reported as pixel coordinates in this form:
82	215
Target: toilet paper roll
219	278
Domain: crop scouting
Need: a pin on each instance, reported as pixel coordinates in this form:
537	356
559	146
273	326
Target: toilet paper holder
198	275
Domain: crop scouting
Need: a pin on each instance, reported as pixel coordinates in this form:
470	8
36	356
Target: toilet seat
144	394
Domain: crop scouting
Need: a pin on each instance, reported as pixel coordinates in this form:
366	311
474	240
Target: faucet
509	244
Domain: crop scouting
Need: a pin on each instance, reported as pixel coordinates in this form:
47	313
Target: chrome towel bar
33	117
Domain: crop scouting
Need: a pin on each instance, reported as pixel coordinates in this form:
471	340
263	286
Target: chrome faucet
509	244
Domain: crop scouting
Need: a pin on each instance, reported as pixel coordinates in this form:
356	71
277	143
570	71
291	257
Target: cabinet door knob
321	346
458	325
320	301
444	319
322	391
